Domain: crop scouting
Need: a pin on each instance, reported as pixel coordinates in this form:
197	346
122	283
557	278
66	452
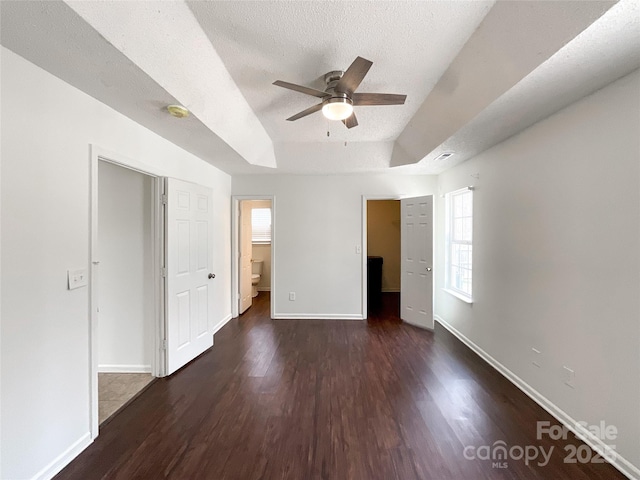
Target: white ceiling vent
444	156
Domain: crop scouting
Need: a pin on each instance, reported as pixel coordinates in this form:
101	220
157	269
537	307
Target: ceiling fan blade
301	89
353	76
306	112
351	121
364	99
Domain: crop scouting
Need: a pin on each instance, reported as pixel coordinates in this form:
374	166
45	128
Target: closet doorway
126	328
383	256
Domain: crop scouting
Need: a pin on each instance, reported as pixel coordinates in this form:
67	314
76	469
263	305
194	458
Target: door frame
365	199
158	360
235	249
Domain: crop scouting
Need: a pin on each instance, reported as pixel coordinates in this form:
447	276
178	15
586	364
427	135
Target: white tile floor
116	389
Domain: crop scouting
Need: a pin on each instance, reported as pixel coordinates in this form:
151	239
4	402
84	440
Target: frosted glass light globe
337	108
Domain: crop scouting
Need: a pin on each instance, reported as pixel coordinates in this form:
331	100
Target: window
261	225
459	243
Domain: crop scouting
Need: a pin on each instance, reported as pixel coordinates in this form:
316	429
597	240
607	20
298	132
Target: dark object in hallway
374	282
326	399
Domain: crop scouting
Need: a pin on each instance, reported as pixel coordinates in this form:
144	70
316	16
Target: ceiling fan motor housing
331	79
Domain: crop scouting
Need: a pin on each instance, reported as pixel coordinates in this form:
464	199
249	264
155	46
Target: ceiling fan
339	97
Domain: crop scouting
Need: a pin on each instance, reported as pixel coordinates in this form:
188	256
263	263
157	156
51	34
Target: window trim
449	288
460	296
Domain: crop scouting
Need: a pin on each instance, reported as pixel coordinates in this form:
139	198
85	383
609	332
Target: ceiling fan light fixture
337	108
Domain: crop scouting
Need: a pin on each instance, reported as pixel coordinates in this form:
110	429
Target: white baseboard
64	458
264	289
221	323
391	290
315	316
124	368
621	463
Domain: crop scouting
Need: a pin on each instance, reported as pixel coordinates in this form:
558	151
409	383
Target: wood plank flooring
344	400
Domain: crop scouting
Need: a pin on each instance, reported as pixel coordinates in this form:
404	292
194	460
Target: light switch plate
77	278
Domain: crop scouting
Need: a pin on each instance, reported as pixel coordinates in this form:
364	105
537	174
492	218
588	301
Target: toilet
256	273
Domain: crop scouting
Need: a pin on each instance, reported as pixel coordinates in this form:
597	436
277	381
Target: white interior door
416	285
189	272
245	256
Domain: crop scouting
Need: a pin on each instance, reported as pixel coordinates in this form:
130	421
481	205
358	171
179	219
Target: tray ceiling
474	72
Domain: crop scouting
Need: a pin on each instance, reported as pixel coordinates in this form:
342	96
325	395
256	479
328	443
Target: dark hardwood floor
307	399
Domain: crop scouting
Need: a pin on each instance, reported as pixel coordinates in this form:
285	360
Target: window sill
459	296
260	243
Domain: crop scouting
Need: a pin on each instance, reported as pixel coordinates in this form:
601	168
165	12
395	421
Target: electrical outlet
569	377
536	357
292	296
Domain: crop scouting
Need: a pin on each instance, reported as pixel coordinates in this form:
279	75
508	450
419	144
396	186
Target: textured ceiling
172	49
474	72
513	40
411	44
604	52
54	37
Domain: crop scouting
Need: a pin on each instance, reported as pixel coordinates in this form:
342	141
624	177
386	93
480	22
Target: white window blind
261	225
459	242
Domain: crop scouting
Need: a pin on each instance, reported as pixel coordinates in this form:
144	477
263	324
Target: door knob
212	275
428	269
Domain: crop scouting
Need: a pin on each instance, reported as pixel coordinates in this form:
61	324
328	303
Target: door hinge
164	198
163	271
164	344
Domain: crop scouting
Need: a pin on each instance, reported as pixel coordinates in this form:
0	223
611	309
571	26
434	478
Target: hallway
320	399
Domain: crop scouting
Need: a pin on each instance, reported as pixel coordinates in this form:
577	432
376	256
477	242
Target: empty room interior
320	240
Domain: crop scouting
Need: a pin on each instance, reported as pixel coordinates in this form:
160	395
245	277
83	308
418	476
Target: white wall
318	225
47	128
557	258
125	242
1	150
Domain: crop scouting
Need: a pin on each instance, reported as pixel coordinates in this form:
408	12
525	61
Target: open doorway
253	248
126	328
255	251
161	239
416	256
383	258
